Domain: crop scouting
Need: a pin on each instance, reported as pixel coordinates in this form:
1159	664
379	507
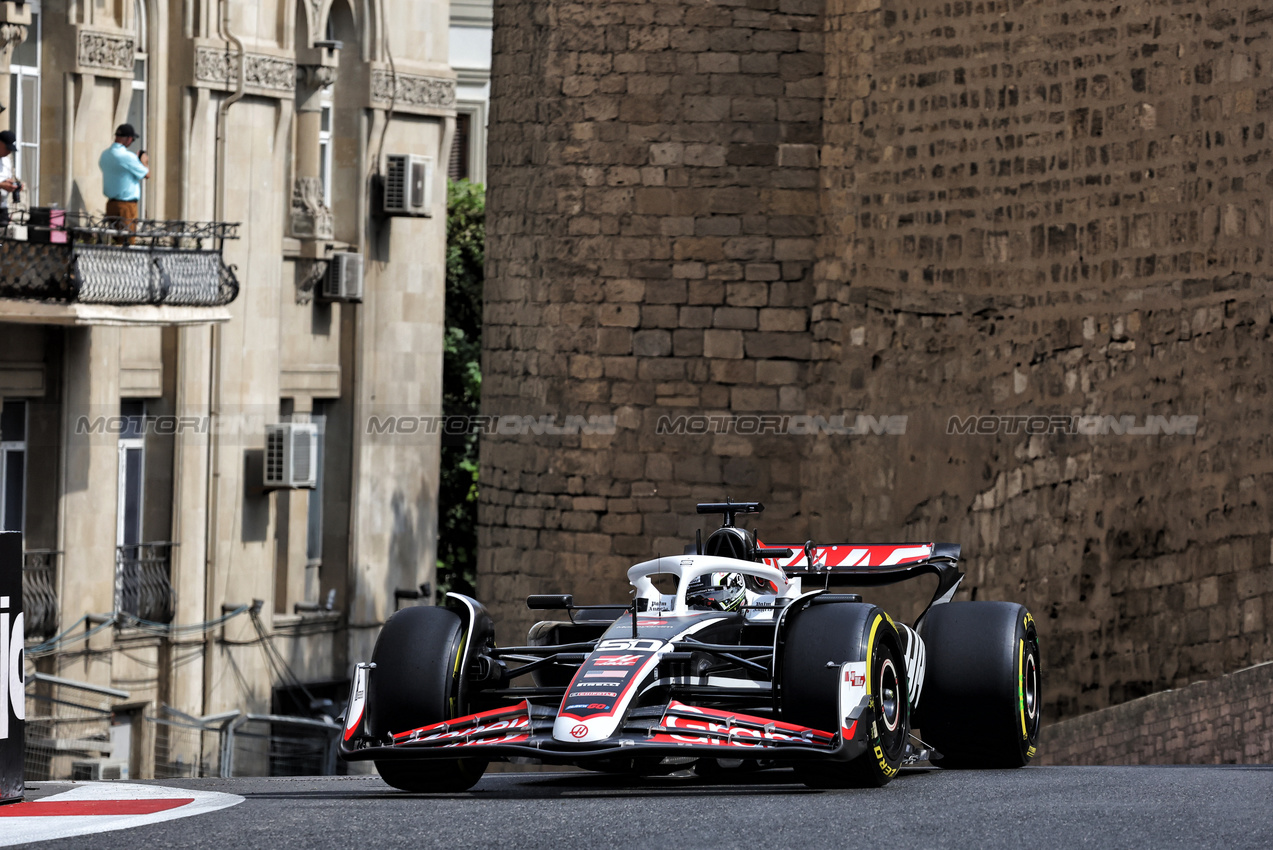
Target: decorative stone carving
311	218
413	91
315	76
309	273
262	72
310	82
106	51
271	72
11	35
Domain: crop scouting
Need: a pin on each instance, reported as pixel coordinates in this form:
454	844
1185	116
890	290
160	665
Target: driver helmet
719	591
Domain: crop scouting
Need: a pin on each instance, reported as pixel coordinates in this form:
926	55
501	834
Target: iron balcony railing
81	258
39	593
143	581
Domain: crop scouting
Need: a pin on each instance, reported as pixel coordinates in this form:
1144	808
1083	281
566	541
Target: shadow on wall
413	526
256	500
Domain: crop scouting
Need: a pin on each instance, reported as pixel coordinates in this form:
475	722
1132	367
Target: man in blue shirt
122	173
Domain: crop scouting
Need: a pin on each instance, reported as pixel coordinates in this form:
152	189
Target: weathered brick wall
652	205
1014	208
1059	208
1228	720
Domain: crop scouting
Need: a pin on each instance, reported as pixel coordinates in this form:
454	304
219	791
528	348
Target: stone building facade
993	219
280	117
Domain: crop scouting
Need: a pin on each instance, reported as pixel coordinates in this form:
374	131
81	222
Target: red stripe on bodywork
846	555
353	727
638	674
72	808
683	710
468	719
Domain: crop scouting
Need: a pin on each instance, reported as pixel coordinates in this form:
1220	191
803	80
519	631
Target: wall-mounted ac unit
291	455
408	188
343	281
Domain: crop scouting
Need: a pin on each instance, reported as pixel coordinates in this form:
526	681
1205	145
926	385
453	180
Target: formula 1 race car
732	654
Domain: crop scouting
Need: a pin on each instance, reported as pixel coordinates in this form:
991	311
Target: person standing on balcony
122	173
8	183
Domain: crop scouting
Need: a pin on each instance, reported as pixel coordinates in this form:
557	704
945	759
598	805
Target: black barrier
12	686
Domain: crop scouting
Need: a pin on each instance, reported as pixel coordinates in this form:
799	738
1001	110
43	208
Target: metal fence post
12	684
228	728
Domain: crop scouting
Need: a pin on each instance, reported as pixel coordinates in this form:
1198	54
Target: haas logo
12	688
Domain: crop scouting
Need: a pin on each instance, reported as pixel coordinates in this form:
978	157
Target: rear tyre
414	683
982	696
818	642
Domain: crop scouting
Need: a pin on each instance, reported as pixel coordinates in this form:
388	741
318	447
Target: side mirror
550	602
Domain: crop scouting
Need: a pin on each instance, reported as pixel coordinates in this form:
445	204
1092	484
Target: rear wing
872	565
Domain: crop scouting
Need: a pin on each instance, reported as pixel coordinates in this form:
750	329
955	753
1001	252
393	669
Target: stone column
14	20
311	217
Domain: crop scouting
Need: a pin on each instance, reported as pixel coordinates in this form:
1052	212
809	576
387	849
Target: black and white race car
732	654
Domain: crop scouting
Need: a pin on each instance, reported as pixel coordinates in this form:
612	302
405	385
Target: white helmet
718	591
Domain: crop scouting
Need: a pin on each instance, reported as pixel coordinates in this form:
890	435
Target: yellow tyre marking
885	767
870	655
455	673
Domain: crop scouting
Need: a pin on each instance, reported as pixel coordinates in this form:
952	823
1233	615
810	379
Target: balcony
143	583
39	593
85	269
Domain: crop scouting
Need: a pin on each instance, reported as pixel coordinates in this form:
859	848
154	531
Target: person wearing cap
8	182
122	173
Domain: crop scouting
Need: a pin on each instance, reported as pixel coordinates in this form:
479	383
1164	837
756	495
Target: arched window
325	130
137	105
24	108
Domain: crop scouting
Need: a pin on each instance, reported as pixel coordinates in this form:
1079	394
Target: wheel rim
1031	685
890	696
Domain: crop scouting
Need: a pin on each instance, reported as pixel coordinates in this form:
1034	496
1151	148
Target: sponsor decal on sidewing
516	723
738	736
852	693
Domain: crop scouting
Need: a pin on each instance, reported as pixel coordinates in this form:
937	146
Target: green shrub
461	384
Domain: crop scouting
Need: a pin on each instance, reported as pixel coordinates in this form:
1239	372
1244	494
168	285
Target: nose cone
572	729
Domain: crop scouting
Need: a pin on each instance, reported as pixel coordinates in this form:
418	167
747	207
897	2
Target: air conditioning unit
291	456
95	770
408	188
343	281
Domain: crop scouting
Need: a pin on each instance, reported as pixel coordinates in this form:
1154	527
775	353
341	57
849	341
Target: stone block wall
1059	209
1223	721
974	211
652	216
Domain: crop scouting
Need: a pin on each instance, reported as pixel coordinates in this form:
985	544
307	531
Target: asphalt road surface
1038	807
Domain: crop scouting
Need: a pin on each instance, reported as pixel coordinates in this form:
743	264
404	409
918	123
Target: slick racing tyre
414	682
821	639
982	691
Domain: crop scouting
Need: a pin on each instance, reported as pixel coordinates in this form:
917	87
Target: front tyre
982	700
819	641
415	682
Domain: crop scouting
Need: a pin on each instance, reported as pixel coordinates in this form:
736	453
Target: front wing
525	730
